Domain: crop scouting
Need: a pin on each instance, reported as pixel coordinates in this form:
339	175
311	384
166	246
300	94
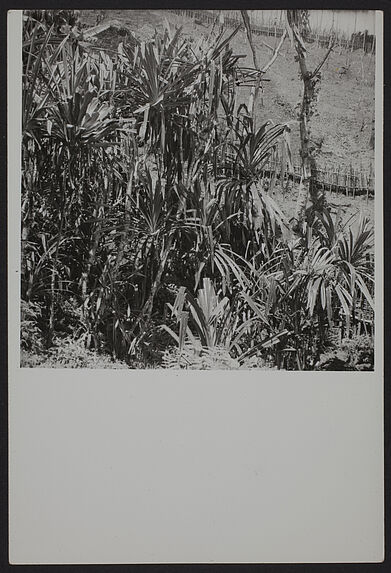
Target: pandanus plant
213	321
141	176
262	221
67	116
312	283
173	88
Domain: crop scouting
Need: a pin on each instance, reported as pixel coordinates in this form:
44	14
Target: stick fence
346	180
274	27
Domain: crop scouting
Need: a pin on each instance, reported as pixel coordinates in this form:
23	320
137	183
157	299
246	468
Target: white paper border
198	467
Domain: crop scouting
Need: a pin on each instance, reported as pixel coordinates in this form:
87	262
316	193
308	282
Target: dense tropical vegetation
147	234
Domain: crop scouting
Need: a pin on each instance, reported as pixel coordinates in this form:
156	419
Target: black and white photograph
195	285
198	189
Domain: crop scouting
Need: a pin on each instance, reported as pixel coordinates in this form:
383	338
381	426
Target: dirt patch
348	207
342	124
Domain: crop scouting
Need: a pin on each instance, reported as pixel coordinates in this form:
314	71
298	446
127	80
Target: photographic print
195	303
197	189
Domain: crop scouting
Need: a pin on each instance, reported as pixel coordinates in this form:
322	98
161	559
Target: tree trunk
54	275
308	161
305	152
125	233
255	89
146	311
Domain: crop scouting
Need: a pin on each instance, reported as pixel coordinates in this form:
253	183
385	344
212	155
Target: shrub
356	353
69	353
215	358
257	362
30	334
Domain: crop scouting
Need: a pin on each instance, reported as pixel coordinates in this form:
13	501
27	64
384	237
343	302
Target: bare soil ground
343	122
349	207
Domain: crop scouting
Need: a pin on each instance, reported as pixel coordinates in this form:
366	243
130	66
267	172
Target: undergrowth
68	353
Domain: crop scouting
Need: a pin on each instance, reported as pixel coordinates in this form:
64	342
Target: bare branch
247	25
267	45
317	70
265	68
255	89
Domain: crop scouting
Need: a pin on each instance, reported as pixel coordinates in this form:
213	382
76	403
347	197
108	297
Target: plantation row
136	242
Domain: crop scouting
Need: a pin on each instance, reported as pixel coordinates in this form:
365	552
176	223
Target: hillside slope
343	123
345	110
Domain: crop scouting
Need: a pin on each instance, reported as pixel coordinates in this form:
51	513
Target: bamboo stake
351	181
336	188
362	178
355	27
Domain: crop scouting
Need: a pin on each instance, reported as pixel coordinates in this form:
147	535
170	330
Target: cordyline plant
68	129
214	322
313	284
141	192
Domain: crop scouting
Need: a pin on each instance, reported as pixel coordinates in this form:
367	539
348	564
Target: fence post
346	182
355	30
353	171
340	45
342	180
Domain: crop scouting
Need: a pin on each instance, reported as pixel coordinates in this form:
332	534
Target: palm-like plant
142	176
215	322
345	266
313	284
174	89
66	114
254	149
262	220
213	319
